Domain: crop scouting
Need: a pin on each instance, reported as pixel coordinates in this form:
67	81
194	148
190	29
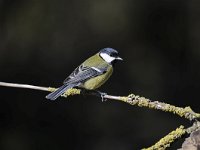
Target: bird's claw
103	99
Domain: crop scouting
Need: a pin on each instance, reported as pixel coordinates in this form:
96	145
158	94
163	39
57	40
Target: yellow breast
96	82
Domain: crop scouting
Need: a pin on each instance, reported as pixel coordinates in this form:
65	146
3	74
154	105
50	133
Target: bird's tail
58	92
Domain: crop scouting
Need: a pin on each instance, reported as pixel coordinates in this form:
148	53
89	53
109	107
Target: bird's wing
82	73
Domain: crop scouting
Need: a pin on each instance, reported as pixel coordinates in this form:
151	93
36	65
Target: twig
132	99
25	86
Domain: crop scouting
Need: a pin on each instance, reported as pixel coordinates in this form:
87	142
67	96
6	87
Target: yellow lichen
50	89
187	112
124	99
168	139
69	92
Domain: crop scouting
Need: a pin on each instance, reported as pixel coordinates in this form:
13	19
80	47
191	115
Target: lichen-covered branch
174	135
193	141
194	127
186	112
132	99
168	139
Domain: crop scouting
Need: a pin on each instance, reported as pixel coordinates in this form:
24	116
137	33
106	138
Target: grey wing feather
74	73
54	95
83	73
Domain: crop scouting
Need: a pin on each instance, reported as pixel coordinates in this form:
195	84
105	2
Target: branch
193	141
174	135
132	99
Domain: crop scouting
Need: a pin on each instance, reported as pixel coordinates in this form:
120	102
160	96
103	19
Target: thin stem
25	86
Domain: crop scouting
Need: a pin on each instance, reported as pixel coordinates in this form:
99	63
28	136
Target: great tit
91	74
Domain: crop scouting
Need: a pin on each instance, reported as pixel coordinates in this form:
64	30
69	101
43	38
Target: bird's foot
103	99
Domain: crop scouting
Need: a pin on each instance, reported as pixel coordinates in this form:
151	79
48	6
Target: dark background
42	41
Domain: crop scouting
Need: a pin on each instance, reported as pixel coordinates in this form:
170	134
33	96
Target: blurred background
42	41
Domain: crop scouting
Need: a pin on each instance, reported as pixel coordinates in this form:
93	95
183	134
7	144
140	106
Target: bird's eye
113	55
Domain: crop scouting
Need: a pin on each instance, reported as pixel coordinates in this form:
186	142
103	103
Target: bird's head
110	55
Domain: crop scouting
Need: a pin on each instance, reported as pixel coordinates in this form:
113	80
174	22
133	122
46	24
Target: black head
109	55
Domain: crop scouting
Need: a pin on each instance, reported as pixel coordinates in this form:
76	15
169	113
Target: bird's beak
118	58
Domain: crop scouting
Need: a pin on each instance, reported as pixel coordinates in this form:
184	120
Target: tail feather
54	95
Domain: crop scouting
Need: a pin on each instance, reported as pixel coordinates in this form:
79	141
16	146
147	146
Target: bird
91	74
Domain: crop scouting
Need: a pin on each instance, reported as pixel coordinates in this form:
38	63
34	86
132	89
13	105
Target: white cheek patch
107	58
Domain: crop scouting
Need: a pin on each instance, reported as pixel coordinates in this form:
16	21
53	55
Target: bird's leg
102	96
